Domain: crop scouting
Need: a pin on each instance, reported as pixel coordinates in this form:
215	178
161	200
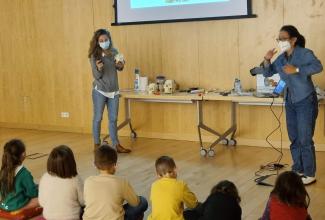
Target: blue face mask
104	45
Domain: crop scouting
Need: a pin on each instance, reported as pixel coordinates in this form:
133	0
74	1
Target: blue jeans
301	120
134	213
99	102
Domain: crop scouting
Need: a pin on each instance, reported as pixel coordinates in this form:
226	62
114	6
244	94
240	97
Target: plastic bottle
137	79
237	86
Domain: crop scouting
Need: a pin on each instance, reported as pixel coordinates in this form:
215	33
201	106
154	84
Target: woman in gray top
104	64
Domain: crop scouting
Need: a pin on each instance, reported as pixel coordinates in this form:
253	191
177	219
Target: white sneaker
308	180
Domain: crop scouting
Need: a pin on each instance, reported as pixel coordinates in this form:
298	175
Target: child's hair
11	159
228	188
165	165
61	162
290	189
105	157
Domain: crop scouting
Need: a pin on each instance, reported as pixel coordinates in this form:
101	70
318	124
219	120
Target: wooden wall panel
49	47
180	53
45	69
218	53
12	64
256	37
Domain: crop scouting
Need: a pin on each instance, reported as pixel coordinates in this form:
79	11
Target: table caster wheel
203	152
224	142
232	142
133	135
211	153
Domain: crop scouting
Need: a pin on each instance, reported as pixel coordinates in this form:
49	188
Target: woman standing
105	91
296	65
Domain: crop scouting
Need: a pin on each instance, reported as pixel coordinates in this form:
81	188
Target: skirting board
210	139
169	136
43	127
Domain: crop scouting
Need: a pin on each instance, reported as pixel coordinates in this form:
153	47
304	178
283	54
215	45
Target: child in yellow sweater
168	195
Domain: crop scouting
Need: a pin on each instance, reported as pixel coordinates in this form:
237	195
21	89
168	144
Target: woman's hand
269	55
119	65
99	65
289	69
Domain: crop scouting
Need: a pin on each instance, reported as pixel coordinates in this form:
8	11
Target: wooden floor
236	164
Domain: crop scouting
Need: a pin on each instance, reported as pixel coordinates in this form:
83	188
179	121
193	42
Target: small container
237	86
137	79
160	80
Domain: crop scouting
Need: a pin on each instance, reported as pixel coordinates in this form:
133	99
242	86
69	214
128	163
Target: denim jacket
300	84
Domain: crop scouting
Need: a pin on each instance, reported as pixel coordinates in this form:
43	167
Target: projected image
136	4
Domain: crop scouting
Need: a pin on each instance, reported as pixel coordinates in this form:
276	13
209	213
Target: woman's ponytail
301	41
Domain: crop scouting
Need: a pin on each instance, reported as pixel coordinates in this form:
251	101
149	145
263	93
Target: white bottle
137	79
237	86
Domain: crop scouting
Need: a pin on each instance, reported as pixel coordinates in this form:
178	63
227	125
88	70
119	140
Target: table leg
221	136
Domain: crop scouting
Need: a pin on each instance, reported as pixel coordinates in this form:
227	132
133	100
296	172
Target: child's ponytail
11	159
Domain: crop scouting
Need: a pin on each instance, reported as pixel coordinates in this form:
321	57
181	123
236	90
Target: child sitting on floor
169	194
288	200
222	204
18	192
60	188
105	193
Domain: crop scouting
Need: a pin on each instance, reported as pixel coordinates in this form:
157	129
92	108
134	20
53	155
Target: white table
227	137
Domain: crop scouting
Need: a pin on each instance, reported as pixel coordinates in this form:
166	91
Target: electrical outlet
65	114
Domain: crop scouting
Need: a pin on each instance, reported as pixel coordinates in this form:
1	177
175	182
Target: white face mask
105	45
284	46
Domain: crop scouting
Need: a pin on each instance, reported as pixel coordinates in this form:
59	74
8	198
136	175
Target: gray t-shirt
106	80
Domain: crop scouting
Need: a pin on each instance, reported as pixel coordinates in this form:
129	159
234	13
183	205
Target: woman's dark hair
293	32
94	49
61	162
105	157
228	188
290	189
11	159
